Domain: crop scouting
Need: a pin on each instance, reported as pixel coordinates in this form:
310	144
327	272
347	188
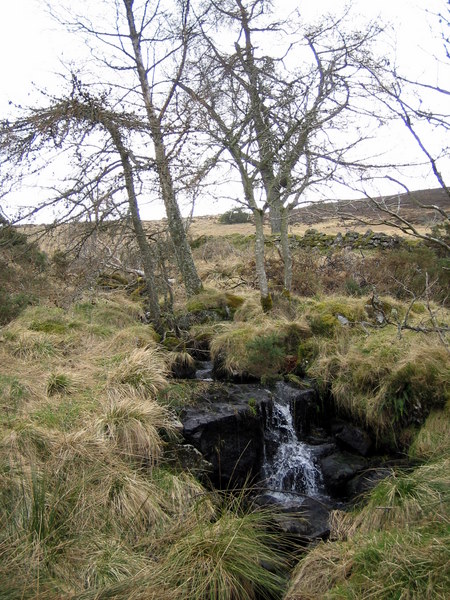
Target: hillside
103	496
416	207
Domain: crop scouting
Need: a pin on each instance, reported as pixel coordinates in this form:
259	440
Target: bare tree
422	107
75	121
138	54
287	118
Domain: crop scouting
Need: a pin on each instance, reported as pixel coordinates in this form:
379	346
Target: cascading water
289	466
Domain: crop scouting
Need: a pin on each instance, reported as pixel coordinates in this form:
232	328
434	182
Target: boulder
300	519
190	459
338	468
228	431
354	438
366	481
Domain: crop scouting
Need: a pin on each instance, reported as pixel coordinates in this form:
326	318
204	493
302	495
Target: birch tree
138	52
286	111
75	122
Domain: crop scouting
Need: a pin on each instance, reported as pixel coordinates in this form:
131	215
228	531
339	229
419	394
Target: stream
290	470
290	466
296	456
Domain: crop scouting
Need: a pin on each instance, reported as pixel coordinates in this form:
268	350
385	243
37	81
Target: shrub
268	352
11	305
235	215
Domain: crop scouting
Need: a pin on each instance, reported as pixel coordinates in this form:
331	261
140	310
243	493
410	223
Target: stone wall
350	239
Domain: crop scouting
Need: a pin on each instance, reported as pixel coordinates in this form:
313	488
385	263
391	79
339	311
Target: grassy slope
91	502
89	505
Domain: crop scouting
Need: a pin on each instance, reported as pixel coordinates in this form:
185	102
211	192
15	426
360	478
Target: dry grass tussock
143	369
382	381
207	560
137	336
323	568
132	423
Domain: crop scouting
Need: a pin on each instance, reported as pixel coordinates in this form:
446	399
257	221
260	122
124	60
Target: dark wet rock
338	468
354	438
190	459
183	370
366	481
301	519
304	403
323	450
228	431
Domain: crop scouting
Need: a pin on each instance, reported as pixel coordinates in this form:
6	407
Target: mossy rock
111	281
171	342
233	301
224	303
323	325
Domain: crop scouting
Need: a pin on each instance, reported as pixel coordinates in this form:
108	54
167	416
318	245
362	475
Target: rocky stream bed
286	443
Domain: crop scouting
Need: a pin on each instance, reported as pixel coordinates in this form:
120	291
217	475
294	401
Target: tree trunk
141	238
266	298
286	250
177	232
275	219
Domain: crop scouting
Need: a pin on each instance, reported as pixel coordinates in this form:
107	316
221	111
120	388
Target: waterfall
289	464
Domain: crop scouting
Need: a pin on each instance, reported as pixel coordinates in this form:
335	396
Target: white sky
33	48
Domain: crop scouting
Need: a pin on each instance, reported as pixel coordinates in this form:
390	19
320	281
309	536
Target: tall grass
232	557
143	369
131	423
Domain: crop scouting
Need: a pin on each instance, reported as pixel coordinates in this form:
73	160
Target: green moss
207	299
323	325
49	326
266	303
233	301
171	342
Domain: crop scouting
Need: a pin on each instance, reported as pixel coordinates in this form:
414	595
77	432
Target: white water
289	465
204	372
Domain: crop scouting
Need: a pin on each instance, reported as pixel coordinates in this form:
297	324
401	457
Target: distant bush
11	305
235	215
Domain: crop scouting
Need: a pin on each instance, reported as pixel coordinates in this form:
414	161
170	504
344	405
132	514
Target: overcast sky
33	48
